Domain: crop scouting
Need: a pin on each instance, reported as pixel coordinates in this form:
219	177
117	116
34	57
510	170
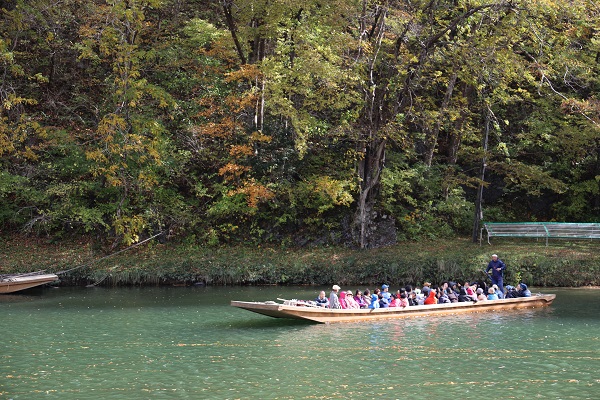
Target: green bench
547	230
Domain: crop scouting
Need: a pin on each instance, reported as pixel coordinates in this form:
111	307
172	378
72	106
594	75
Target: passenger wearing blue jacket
375	299
497	267
523	290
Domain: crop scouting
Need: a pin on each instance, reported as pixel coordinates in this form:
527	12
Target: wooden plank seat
547	230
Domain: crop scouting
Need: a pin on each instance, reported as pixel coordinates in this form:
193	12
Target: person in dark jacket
523	290
322	300
497	267
511	292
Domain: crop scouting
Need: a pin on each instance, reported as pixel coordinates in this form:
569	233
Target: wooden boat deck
15	283
326	315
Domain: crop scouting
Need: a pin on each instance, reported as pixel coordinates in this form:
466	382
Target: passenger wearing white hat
334	301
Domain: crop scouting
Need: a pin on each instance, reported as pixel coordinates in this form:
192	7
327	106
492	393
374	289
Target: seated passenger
334	301
367	297
322	300
426	288
511	292
343	301
467	293
443	296
471	288
383	302
431	298
404	300
498	291
374	300
452	292
350	302
444	286
385	293
412	298
399	292
419	297
523	291
492	294
358	297
480	295
395	301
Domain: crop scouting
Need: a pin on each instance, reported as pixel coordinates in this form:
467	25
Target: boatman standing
497	267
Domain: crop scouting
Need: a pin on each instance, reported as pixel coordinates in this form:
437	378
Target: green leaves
278	119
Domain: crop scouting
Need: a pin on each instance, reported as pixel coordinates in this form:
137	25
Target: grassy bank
560	264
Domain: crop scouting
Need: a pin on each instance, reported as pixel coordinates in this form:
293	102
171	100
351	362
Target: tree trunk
231	25
478	207
369	170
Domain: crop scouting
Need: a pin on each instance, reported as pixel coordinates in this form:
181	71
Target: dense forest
352	122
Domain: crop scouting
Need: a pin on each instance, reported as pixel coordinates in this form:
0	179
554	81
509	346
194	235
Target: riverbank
572	264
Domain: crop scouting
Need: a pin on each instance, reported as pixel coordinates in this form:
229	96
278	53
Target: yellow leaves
95	155
336	190
324	193
147	181
39	78
111	124
22	139
113	181
129	227
258	137
12	100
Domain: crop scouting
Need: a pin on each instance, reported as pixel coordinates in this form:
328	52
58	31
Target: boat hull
21	282
325	315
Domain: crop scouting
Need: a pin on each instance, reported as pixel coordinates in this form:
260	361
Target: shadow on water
265	322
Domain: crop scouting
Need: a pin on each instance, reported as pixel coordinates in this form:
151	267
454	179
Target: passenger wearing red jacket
431	298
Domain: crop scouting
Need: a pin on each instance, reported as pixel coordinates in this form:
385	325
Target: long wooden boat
15	283
300	310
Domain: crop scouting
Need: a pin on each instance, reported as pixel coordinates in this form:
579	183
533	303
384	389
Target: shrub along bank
560	264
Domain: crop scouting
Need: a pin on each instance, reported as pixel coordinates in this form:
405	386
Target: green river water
188	343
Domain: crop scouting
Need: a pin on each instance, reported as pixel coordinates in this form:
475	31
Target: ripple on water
183	343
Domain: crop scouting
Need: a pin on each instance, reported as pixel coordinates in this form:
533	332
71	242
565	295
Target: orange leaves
247	72
223	129
240	103
255	193
240	151
232	171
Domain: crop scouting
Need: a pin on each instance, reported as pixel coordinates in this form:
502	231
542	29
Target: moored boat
17	282
303	310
